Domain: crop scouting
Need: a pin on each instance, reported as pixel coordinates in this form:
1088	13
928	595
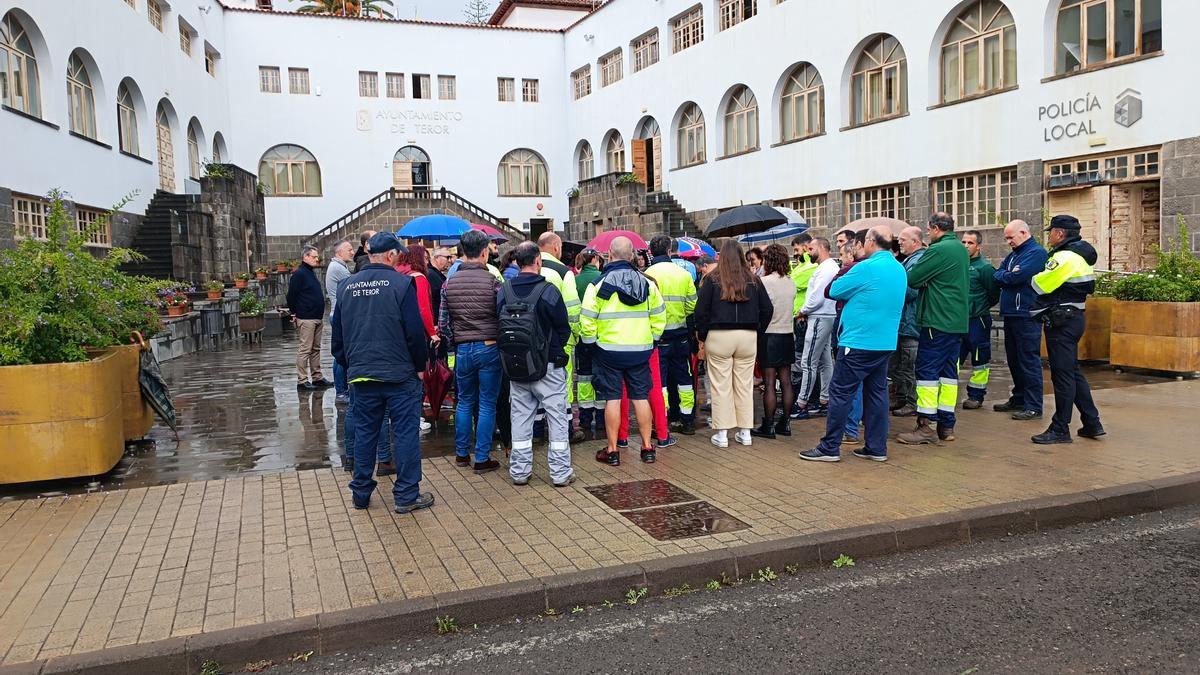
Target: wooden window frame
612	67
798	101
687	29
813	208
185	39
732	12
127	133
298	81
1110	33
691	133
877	75
530	90
195	164
268	80
890	201
1001	33
506	90
210	62
154	14
394	83
81	99
614	153
29	217
644	50
1107	167
742	109
586	165
368	84
581	82
309	169
447	88
980	199
21	69
422	86
530	169
86	218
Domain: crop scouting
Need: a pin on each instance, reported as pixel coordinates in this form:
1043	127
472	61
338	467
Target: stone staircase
155	238
393	208
674	219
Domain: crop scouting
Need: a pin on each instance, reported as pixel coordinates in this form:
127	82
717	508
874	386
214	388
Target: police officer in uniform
1062	289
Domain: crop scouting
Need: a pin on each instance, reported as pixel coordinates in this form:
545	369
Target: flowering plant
214	285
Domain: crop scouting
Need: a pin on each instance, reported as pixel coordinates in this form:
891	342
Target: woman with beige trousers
731	309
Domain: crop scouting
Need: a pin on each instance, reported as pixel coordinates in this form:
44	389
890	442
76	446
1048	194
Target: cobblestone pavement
91	571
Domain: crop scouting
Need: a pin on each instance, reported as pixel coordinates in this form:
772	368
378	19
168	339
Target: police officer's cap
382	242
1060	222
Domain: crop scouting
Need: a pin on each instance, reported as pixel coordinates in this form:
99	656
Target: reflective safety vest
678	293
1067	281
614	326
561	277
801	272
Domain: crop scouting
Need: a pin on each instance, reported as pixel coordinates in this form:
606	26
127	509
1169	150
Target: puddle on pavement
640	494
664	510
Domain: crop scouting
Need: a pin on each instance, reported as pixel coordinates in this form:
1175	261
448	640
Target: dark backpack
524	347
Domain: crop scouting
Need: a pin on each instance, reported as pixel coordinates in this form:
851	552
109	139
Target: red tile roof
506	6
248	10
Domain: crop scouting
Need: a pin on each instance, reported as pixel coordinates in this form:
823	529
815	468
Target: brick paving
92	571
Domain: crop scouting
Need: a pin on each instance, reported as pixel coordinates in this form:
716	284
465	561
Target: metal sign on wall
420	122
1075	117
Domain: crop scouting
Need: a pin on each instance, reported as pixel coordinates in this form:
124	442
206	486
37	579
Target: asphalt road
1119	596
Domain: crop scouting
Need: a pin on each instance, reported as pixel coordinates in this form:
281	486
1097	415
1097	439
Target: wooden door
657	163
166	156
402	175
1091	207
638	147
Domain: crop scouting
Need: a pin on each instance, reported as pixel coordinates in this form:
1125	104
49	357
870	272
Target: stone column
920	201
835	211
1180	171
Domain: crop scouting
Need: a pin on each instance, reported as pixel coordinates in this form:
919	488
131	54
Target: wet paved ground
240	413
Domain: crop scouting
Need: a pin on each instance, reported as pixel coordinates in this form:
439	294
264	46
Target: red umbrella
437	383
491	232
604	240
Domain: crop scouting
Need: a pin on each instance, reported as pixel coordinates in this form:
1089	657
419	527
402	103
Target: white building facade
864	107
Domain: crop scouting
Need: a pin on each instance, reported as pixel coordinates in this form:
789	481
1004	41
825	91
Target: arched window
586	161
614	150
80	97
979	53
879	84
648	129
1091	32
690	136
802	105
741	122
127	129
522	173
218	155
290	170
194	168
18	68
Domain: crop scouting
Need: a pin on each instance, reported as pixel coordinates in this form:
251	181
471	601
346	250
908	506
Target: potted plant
214	289
293	265
177	303
260	273
68	317
281	266
250	318
1156	313
241	279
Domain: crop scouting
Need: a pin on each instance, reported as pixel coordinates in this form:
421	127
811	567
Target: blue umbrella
434	226
776	233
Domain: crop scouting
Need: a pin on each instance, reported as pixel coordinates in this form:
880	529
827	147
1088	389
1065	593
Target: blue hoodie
873	291
1013	277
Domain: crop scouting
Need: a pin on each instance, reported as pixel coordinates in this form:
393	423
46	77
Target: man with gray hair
306	301
903	368
337	272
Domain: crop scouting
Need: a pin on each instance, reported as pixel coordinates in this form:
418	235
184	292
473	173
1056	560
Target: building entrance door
411	169
1091	207
166	153
647	155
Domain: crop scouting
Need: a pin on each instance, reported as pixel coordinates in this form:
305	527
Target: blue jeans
383	450
977	351
1022	345
477	383
937	376
855	417
340	385
401	402
858	370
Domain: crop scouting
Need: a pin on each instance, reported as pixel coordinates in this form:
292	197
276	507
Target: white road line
659	617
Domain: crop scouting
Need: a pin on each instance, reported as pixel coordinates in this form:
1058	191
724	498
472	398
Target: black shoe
1092	432
424	500
610	458
1007	406
687	428
577	436
385	469
347	463
783	427
485	467
322	384
463	462
1026	415
306	386
648	455
1050	437
766	430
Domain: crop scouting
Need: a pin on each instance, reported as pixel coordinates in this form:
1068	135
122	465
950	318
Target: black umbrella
572	249
744	220
154	387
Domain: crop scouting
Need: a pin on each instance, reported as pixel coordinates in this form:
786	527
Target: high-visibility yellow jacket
1068	278
623	314
678	293
561	277
801	272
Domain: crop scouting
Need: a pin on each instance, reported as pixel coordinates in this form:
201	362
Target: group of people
872	323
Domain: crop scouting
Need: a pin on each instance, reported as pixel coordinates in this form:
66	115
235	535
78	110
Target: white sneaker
425	426
720	442
743	437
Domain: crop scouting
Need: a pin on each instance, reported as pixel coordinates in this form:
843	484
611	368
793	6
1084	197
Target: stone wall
7	230
232	239
1181	190
286	247
604	204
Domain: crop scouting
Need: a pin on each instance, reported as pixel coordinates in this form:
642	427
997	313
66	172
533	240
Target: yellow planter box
1156	335
1097	333
61	420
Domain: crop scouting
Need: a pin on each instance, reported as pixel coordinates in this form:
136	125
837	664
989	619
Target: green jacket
941	276
984	293
586	276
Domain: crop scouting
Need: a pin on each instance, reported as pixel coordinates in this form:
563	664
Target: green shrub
251	304
57	299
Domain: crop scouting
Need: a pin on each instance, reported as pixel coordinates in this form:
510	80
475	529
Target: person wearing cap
1022	334
379	338
941	279
1062	289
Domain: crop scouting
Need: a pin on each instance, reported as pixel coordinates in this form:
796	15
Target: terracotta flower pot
281	268
239	283
214	295
260	275
176	310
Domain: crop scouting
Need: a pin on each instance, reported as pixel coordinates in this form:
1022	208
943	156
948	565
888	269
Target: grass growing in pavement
446	624
765	574
843	560
713	585
634	594
210	667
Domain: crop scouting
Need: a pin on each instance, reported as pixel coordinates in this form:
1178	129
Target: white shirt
815	302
